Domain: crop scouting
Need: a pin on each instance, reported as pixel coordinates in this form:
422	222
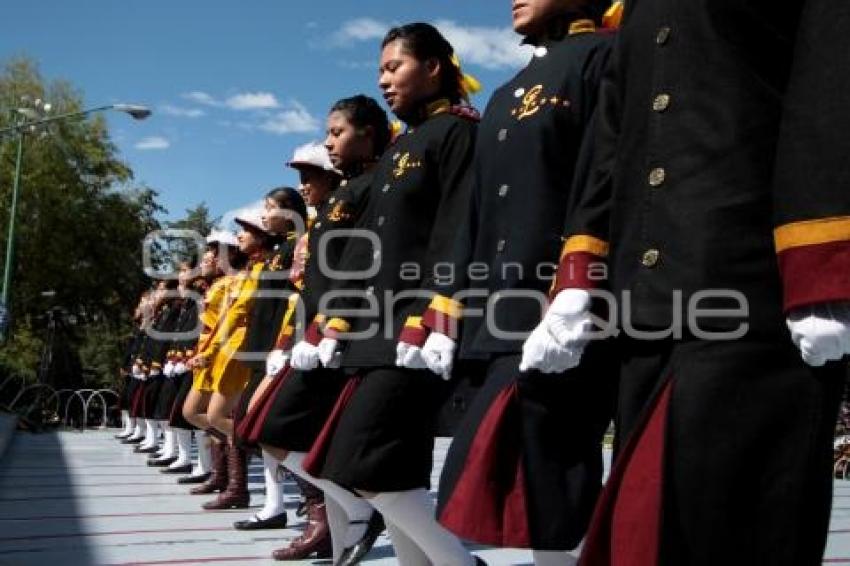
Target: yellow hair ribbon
468	83
613	16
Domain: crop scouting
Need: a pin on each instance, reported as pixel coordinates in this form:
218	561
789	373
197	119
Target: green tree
197	221
81	223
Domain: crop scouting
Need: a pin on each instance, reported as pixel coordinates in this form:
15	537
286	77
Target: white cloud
361	29
295	119
152	143
489	47
253	101
171	110
201	98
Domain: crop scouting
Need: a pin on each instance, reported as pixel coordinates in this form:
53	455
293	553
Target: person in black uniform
179	378
525	466
167	309
358	133
137	371
717	203
128	380
185	323
379	440
285	217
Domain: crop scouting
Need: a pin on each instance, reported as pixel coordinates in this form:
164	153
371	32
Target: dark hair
424	42
363	111
289	198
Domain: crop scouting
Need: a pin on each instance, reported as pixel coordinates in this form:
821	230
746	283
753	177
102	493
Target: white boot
204	463
183	440
151	434
139	431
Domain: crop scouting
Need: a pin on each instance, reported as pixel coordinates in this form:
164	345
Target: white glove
180	368
821	332
168	369
305	356
328	354
154	373
275	362
409	356
438	353
558	342
136	372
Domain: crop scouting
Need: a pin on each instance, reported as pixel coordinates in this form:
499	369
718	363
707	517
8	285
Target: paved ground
73	499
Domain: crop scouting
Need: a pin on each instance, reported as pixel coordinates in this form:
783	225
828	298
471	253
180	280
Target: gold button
386	188
381	220
657	177
317	225
650	258
500	247
503	190
503	135
663	35
661	102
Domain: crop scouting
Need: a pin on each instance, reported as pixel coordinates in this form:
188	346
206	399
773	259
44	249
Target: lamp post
31	119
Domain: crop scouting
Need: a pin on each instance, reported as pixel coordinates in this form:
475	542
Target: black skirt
719	442
175	418
165	399
525	467
128	389
150	396
300	408
383	440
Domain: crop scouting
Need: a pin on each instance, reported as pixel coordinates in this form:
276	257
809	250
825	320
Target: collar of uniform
429	110
357	170
560	29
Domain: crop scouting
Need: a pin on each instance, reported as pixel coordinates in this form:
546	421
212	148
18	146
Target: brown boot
236	495
316	540
218	478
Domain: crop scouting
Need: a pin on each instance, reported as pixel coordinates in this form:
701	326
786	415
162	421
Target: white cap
251	218
314	154
225	237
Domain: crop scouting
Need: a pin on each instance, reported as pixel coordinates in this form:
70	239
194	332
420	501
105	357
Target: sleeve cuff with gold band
414	333
578	257
814	261
443	315
284	339
335	327
313	334
156	365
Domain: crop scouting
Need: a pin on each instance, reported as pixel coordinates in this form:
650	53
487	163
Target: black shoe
151	450
479	561
302	508
159	463
358	551
256	524
132	440
123	435
194	479
187	469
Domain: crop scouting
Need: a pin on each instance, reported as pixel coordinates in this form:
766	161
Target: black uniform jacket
272	297
720	162
527	147
155	349
186	332
418	199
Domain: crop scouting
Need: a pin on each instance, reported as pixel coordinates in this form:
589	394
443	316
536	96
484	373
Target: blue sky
235	86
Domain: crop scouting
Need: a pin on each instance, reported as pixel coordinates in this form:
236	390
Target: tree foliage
81	223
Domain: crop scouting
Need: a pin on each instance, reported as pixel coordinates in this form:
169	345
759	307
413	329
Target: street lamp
31	119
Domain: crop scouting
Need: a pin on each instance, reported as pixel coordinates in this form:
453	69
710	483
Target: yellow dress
229	375
213	302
